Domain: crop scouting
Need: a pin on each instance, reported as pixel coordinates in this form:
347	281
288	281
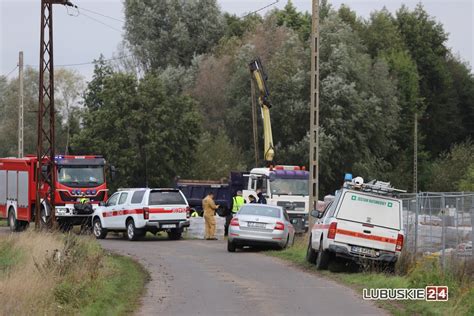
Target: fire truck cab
80	187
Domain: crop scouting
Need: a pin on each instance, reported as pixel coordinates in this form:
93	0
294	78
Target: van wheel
287	243
175	234
12	222
230	246
99	231
311	255
133	233
323	257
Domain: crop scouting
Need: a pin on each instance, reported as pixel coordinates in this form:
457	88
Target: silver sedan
260	225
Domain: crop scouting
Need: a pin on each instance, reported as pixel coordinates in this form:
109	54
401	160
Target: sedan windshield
289	186
260	211
81	176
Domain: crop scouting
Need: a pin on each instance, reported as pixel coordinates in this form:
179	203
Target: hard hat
239	192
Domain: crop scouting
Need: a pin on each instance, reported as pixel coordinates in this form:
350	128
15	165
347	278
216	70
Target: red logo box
436	293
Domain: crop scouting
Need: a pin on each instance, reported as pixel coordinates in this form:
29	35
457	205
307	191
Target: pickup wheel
133	233
323	258
99	231
175	234
231	246
12	221
311	255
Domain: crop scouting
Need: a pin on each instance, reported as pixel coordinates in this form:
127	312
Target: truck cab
285	186
77	179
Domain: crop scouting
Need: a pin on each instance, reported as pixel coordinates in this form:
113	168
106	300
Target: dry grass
54	274
23	280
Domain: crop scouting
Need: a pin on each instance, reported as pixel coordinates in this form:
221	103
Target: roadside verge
44	273
419	274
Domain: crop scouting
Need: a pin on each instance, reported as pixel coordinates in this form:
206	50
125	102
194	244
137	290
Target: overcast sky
79	39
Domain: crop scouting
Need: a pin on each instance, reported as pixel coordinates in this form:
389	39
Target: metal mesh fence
439	222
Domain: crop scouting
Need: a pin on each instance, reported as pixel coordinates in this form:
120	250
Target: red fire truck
79	179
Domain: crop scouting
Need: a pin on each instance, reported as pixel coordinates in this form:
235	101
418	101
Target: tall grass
44	273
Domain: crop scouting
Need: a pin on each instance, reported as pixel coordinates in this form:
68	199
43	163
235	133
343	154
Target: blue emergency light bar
348	177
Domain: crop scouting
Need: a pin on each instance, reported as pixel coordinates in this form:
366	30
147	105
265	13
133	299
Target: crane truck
285	186
76	178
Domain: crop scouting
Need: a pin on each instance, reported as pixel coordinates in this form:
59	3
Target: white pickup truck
137	211
364	222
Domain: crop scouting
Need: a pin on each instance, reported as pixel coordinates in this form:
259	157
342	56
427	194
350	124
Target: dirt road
197	277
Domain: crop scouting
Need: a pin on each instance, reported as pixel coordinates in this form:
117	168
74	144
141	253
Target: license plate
256	225
168	226
363	251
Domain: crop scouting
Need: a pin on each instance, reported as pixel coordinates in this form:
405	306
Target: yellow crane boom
260	78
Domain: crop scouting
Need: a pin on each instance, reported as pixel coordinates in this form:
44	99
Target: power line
8	74
262	8
99	21
101	14
85	63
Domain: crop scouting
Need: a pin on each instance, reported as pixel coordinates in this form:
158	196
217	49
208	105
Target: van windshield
363	208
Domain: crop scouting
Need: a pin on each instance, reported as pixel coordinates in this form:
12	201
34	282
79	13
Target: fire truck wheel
12	222
98	230
44	219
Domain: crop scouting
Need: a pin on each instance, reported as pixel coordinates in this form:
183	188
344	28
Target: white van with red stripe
364	222
137	211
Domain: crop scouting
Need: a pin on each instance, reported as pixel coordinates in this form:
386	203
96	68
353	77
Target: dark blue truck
224	191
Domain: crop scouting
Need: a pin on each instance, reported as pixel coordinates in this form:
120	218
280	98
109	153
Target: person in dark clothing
261	197
252	199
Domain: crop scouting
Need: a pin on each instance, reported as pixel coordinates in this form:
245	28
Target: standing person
261	197
209	208
252	199
237	202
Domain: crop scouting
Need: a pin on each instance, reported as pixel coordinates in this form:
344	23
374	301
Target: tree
452	170
69	88
169	33
148	134
9	114
215	157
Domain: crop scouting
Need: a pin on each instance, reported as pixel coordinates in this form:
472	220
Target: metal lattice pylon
45	151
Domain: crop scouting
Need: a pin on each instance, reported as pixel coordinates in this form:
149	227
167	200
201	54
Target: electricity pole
45	151
314	113
20	106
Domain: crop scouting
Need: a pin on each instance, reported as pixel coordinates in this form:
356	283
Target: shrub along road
197	277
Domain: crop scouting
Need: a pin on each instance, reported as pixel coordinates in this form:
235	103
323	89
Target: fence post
472	224
443	232
416	223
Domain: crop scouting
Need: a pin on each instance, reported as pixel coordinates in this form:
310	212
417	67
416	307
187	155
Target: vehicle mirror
320	214
102	204
315	213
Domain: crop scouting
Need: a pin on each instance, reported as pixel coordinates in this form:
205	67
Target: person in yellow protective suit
209	208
